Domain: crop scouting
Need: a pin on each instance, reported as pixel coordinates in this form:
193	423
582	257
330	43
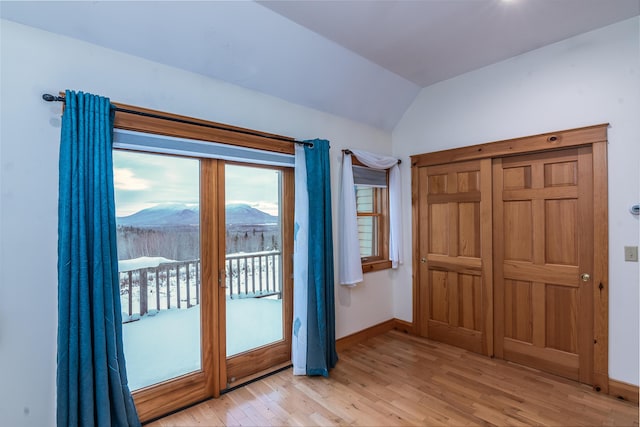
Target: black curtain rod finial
50	98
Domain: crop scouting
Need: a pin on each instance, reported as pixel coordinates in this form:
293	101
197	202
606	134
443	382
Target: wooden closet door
455	300
543	224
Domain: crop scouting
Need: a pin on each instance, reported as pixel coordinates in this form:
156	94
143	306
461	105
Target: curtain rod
51	98
347	151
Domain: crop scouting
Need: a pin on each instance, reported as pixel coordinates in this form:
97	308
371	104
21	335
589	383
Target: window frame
381	211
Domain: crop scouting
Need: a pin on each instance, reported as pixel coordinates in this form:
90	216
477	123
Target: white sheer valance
350	264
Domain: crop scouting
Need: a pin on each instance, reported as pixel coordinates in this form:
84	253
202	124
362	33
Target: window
372	205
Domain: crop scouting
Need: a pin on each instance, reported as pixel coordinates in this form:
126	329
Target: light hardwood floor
395	379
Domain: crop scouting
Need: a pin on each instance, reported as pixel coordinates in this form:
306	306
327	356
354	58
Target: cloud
125	180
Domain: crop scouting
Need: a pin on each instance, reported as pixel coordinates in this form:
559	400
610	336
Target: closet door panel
544	261
454	292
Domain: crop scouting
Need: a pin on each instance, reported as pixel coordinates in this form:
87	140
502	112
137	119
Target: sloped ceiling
363	60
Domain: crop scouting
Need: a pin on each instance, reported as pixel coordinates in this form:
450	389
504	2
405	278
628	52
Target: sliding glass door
205	282
167	232
180	269
257	294
158	226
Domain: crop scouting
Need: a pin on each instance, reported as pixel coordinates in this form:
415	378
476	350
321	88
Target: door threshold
257	376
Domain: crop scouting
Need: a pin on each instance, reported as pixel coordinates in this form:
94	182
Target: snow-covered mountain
176	214
239	213
173	214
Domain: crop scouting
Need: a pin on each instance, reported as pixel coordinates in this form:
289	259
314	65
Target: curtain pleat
349	263
92	385
321	349
396	254
300	265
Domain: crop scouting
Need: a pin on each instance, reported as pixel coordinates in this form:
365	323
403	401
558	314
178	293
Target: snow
252	322
167	344
163	346
142	262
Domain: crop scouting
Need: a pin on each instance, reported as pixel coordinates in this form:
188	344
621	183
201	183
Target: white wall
589	79
36	62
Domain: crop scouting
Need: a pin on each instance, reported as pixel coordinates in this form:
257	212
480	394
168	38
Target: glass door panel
256	296
158	226
253	261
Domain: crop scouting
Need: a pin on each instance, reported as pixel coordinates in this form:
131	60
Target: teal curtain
321	324
92	385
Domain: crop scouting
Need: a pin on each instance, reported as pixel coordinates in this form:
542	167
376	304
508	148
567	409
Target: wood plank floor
396	380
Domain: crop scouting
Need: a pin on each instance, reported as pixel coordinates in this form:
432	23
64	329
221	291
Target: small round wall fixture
635	209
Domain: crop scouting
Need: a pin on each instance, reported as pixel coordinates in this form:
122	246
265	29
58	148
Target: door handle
222	279
423	260
585	277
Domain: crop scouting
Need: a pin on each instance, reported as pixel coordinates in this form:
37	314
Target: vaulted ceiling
364	60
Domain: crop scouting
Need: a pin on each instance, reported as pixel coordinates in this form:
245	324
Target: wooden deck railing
177	284
253	275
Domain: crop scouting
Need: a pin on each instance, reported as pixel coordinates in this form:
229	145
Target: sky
144	180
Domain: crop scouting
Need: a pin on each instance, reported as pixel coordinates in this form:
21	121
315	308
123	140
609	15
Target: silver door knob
585	277
423	260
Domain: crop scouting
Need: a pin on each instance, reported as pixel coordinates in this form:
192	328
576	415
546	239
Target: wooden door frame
159	399
596	137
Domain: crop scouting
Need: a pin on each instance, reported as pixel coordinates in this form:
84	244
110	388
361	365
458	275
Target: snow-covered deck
167	344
